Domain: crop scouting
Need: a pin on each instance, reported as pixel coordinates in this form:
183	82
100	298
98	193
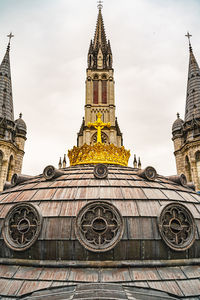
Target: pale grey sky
48	61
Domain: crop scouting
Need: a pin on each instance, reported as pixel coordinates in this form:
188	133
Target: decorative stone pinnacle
178	115
99	125
20	115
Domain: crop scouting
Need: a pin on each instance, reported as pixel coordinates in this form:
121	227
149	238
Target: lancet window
10	167
1	161
197	157
188	169
104	92
95	92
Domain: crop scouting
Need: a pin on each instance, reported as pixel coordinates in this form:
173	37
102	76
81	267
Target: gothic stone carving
99	226
104	138
22	226
177	227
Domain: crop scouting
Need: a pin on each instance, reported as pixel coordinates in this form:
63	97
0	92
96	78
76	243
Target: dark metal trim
100	264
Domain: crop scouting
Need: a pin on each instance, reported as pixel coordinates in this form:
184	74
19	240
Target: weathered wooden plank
171	273
152	193
115	275
84	275
65	193
44	194
28	273
166	286
189	287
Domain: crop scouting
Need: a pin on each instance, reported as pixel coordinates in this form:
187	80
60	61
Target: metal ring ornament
150	173
183	180
101	171
22	226
99	226
177	226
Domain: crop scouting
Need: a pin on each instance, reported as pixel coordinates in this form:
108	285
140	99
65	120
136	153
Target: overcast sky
48	61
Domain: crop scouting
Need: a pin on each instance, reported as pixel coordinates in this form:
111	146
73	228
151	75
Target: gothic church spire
100	54
192	109
100	35
6	100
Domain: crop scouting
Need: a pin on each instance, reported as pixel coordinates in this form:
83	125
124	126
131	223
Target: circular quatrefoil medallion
177	227
22	226
99	226
100	171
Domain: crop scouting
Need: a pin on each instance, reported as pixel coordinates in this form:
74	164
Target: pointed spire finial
100	4
135	162
64	161
139	164
188	35
60	163
178	115
20	115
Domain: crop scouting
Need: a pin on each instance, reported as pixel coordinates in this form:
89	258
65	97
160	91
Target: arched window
95	92
1	161
90	61
188	169
110	61
197	158
104	92
10	167
104	138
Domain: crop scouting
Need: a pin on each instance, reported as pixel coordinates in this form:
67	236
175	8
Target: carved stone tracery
99	226
104	138
22	226
177	227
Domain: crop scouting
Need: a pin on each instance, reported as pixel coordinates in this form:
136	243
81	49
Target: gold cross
10	36
99	125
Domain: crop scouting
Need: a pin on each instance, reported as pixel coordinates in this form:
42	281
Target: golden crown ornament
99	152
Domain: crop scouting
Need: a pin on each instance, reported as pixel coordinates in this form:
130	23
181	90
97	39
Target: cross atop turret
188	35
10	36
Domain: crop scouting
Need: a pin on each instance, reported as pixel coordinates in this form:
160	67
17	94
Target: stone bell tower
100	97
12	132
186	133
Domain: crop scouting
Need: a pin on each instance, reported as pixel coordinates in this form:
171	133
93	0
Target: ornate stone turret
186	134
12	133
100	90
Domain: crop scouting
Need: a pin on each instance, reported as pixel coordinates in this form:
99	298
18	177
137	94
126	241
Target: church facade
12	132
186	133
